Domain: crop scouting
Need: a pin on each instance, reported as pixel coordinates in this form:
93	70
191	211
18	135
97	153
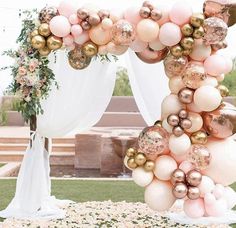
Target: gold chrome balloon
224	91
44	51
176	51
187	42
130	152
131	163
34	33
187	30
38	42
149	166
90	49
44	30
54	42
199	137
158	123
78	60
187	52
140	159
197	20
198	33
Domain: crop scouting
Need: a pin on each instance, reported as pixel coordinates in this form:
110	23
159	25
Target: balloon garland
190	153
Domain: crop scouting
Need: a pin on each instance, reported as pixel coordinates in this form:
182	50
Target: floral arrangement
32	78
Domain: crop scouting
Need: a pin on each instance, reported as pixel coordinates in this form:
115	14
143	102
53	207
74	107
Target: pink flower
32	66
22	71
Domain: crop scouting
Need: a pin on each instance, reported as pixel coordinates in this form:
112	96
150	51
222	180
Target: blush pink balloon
201	51
132	15
66	8
68	40
76	30
102	50
82	38
215	65
180	13
218	191
179	158
186	166
138	45
170	34
60	26
73	19
194	208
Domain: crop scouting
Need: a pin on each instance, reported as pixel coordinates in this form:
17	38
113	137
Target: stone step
55	157
23	147
12	140
9	168
121	119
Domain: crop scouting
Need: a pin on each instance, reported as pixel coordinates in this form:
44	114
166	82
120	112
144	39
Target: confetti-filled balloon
47	13
153	141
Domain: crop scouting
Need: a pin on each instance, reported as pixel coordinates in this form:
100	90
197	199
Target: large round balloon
221	123
153	141
158	195
222	168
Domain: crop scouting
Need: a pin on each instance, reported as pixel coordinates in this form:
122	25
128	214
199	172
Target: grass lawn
2	164
82	191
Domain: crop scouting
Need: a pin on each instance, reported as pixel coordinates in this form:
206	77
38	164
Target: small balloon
200	156
45	51
194	178
186	95
180	190
193	193
153	141
140	159
178	176
78	60
123	33
193	75
149	166
215	30
142	177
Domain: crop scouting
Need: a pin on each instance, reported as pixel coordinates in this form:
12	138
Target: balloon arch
189	153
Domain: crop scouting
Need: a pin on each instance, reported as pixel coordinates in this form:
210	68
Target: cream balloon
164	166
193	108
197	122
207	98
158	195
222	168
171	105
211	81
207	185
142	177
179	145
156	45
99	36
176	84
200	51
166	126
116	49
147	30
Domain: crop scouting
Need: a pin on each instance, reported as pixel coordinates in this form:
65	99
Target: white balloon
166	126
197	122
158	195
230	197
207	98
156	45
164	167
171	105
211	81
141	177
179	145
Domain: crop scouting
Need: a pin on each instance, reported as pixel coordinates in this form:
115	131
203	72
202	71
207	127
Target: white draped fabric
78	104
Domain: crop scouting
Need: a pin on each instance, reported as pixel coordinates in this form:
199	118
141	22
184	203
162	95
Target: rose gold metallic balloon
178	131
215	30
178	176
153	141
217	8
193	75
85	25
175	66
194	178
183	114
173	120
186	124
180	190
82	13
200	156
94	19
148	4
186	95
221	123
123	33
103	14
145	12
150	56
193	193
156	14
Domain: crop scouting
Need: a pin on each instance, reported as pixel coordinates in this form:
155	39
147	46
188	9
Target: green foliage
230	83
122	87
